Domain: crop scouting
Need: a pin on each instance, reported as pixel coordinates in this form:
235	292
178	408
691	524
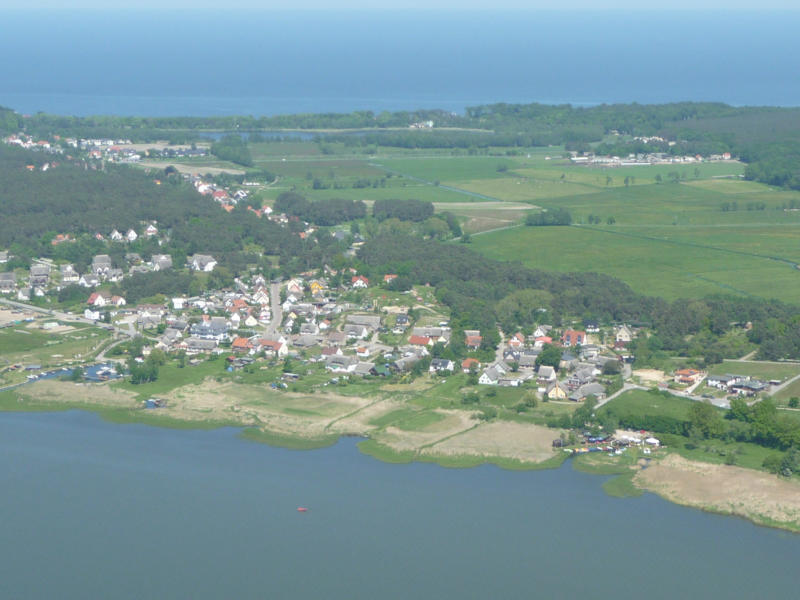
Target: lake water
271	62
97	510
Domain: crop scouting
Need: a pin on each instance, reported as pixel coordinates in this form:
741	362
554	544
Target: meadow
708	232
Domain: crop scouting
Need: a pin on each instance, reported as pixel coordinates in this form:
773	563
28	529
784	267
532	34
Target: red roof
419	340
468	363
389	277
356	278
573	337
474	340
93	298
241	343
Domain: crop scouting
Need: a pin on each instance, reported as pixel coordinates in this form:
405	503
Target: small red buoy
302	509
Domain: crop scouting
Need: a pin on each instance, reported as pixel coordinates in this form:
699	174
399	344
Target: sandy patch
6	316
726	489
530	443
651	375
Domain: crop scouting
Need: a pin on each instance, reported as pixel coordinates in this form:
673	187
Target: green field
668	240
760	370
31	345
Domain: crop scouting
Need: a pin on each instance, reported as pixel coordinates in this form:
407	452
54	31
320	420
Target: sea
99	510
260	62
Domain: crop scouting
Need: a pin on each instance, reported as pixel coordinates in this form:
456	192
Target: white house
203	262
131	236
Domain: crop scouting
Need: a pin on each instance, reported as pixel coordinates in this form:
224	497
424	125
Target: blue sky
409	4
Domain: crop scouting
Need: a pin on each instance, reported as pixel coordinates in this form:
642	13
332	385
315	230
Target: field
760	370
28	344
667	239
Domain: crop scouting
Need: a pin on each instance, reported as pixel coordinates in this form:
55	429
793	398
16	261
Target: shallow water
95	510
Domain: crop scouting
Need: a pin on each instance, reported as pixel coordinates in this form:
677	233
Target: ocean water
98	510
264	63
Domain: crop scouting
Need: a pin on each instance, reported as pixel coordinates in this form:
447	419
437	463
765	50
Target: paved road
272	330
67	317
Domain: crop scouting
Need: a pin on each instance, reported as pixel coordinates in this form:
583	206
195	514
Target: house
362	352
473	342
195	345
210	328
470	364
116	236
89	281
3	257
591	326
356	332
586	390
439	335
161	262
388	278
516	341
364	368
99	299
722	382
572	337
546	374
295	287
418	340
39	276
8	282
405	363
359	282
371	321
623	334
151	230
68	274
241	344
554	391
274	348
490	376
341	364
542	331
687	376
101	265
94	315
441	364
204	263
131	236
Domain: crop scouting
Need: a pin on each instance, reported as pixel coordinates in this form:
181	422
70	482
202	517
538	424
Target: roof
419	340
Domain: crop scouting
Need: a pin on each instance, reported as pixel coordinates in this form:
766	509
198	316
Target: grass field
669	240
30	345
760	370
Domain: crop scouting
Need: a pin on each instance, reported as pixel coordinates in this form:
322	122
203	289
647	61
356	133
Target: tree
794	402
77	375
705	418
549	356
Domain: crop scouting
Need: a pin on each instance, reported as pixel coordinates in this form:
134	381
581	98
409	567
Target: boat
302	509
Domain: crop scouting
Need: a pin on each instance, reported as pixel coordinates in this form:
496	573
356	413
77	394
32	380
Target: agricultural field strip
691	244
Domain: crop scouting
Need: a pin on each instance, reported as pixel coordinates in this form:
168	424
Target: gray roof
373	321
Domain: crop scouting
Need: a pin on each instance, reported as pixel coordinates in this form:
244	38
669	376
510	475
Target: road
273	329
130	332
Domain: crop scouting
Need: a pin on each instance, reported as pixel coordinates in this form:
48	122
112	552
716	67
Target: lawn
760	370
26	345
170	377
639	402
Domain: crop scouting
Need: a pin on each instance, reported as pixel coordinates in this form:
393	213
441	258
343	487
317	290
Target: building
204	263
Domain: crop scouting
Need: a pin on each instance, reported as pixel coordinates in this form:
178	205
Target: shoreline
450	442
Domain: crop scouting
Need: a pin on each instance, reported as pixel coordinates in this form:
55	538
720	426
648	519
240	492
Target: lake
264	62
98	510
